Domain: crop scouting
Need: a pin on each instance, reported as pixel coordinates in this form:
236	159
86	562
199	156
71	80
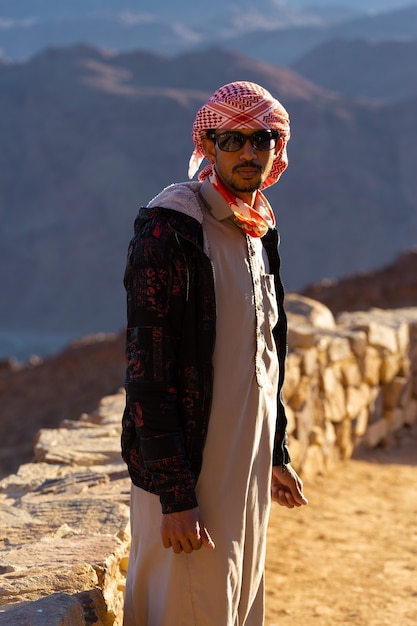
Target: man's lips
247	170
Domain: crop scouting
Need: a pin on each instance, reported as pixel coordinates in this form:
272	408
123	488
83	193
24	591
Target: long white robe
224	587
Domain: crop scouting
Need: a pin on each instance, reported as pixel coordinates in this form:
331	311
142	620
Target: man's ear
279	146
209	149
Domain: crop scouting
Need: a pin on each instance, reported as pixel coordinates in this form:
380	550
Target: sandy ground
350	556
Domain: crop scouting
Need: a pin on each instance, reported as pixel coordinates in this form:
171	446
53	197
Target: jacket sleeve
281	454
156	286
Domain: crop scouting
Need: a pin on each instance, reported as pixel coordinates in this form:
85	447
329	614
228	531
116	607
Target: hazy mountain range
274	31
385	70
87	137
284	46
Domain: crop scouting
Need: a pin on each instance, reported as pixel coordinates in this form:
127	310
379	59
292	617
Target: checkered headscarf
240	105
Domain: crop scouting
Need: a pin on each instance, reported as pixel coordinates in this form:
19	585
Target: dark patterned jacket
171	311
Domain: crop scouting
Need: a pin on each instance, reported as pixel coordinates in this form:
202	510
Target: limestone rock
390	367
410	413
357	399
58	609
300	336
292	375
360	424
92	445
313	463
384	330
335	399
392	392
309	361
376	433
339	349
351	374
303	310
372	366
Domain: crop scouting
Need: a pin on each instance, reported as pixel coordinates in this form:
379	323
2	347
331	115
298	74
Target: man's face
243	171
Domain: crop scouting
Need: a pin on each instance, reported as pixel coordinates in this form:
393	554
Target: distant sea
24	344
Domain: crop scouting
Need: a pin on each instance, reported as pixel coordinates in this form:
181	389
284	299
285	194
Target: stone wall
64	526
349	382
64	519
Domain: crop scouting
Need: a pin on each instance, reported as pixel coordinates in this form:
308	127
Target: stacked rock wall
64	519
64	526
348	382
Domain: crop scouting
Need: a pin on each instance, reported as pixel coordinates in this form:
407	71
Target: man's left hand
287	487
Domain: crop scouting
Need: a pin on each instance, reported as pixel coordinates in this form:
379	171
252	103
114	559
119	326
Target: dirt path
350	556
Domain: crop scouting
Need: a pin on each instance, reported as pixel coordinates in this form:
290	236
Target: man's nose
247	152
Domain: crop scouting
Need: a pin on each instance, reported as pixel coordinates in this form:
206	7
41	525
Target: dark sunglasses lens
230	142
264	140
234	141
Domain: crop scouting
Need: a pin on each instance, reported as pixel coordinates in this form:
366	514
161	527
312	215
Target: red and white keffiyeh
240	105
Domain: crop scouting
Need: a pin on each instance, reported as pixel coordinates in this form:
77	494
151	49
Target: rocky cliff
43	393
392	285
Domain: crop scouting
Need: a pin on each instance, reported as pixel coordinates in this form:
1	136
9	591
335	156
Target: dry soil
350	556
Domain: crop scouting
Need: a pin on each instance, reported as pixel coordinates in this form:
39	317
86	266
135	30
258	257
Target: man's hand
287	487
185	531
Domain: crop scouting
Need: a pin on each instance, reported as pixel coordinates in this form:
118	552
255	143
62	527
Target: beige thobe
223	587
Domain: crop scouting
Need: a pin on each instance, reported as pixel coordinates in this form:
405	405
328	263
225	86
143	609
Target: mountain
168	28
389	287
384	70
122	31
285	46
274	31
187	72
89	136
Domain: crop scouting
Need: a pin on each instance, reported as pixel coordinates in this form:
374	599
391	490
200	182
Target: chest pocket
270	305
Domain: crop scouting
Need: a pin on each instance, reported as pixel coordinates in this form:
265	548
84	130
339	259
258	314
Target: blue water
24	344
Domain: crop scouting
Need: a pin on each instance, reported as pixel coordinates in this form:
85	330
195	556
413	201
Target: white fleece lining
182	197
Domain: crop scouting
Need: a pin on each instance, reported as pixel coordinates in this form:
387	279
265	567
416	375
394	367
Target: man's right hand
185	530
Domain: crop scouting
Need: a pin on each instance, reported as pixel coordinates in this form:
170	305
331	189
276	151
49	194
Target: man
204	426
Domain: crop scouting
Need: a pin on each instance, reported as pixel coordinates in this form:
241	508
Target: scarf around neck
254	221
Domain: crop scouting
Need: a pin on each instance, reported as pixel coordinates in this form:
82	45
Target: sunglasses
233	140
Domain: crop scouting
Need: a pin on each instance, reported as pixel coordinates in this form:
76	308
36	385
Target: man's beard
250	186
